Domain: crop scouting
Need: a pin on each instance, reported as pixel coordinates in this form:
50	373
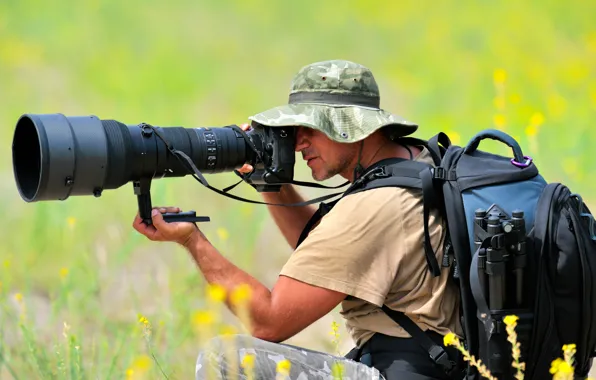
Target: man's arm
275	315
290	220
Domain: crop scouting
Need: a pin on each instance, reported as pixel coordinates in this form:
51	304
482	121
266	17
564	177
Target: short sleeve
349	251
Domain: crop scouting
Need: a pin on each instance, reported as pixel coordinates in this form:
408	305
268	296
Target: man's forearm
219	270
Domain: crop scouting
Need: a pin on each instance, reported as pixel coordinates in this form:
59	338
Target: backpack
515	244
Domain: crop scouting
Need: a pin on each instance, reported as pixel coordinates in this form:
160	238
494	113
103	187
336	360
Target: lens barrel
55	156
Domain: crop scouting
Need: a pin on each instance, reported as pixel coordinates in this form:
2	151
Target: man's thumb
157	218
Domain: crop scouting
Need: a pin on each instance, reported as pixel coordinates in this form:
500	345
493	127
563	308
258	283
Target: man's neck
388	149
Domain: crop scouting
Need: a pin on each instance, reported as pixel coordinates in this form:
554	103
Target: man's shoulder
424	156
383	202
386	193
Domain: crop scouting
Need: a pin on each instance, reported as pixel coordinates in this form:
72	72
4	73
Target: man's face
325	157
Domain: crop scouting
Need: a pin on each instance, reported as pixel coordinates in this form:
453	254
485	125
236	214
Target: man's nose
301	141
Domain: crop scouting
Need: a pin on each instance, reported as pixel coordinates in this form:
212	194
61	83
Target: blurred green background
527	68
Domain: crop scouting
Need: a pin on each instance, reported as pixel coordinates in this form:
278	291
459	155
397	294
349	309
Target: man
366	252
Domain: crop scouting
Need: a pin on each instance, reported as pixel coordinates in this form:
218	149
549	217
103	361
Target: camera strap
197	175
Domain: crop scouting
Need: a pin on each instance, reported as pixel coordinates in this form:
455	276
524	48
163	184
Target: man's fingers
140	226
163	210
246	168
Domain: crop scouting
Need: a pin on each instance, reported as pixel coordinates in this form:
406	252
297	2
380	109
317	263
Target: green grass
213	63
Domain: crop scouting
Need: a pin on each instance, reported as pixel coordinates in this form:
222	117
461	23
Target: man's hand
160	230
246	168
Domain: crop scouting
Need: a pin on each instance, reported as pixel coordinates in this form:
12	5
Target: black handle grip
188	216
495	134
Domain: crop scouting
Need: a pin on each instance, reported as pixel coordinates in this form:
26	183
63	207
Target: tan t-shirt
370	246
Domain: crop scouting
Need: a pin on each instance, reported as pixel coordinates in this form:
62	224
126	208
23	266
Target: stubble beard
327	172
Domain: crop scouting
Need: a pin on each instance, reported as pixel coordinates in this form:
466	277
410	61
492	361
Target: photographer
366	252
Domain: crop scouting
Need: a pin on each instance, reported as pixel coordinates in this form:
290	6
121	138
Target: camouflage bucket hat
339	98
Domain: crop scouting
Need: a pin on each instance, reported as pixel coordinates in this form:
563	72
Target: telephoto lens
55	156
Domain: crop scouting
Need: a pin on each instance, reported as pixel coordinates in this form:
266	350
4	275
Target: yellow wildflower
510	324
450	339
334	328
228	330
510	320
18	297
71	221
143	320
337	370
248	361
63	273
531	130
142	363
216	292
454	137
283	367
223	234
569	348
241	294
537	119
334	332
248	364
499	76
535	122
129	373
203	317
146	326
560	367
499	120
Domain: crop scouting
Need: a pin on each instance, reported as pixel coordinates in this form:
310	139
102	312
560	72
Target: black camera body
278	158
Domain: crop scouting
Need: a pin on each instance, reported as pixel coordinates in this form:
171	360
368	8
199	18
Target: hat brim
340	123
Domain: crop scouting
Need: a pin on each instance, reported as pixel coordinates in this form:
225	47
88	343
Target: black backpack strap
483	313
430	199
437	146
436	352
323	209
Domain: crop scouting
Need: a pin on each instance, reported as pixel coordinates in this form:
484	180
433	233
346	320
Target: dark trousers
405	358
